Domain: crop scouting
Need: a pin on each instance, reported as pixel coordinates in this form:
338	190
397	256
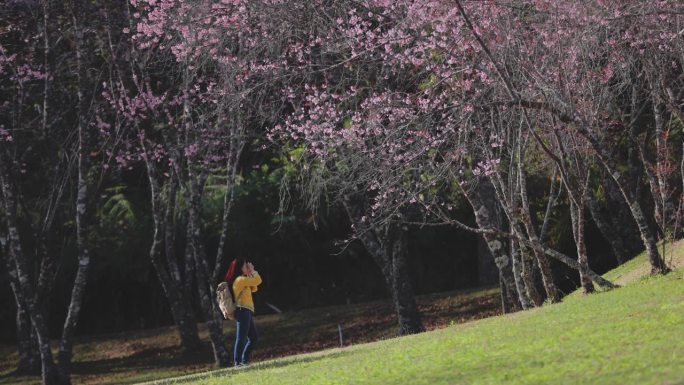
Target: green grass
631	335
638	266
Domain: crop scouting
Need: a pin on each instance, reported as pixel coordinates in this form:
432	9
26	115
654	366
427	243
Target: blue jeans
245	335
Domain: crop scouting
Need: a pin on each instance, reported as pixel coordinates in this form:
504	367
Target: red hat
231	271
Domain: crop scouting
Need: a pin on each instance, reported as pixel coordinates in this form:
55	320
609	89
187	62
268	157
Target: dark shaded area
305	260
304	257
297	332
303	267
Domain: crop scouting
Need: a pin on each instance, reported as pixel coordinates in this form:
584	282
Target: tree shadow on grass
172	359
17	376
156	358
293	360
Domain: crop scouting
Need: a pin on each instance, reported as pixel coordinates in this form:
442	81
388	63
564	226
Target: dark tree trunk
170	231
402	289
527	274
662	189
560	257
621	217
648	238
387	247
193	174
555	191
184	314
542	260
186	326
27	343
189	275
82	228
26	290
205	288
607	228
29	355
174	290
487	271
237	143
506	303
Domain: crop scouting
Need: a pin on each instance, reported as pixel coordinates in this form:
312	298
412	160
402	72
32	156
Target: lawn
631	335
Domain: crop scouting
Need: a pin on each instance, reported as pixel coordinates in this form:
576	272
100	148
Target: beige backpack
225	300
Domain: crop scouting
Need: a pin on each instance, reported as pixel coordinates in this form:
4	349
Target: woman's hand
250	267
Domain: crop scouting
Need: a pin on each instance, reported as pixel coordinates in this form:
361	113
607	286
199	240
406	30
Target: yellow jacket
243	287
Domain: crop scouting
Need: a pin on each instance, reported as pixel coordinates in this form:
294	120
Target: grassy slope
632	335
639	267
154	354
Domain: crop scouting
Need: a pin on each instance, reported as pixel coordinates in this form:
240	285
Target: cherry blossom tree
60	137
223	57
426	95
395	111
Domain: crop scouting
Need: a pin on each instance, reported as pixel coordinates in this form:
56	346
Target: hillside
626	336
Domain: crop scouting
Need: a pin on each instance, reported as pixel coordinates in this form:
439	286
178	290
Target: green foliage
429	82
347	122
117	210
116	238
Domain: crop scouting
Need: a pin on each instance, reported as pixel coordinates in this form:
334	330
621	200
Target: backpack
225	300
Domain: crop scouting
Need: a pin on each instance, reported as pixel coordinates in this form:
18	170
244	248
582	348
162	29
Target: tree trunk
26	290
189	274
184	314
237	144
402	289
506	302
608	229
205	288
170	231
621	217
173	289
647	236
645	232
555	191
82	228
662	167
387	247
187	328
29	355
542	260
516	265
577	215
510	207
560	257
487	216
487	271
527	274
27	344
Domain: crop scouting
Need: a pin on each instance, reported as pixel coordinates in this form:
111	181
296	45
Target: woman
241	287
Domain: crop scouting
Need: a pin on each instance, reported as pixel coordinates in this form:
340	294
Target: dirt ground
152	354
